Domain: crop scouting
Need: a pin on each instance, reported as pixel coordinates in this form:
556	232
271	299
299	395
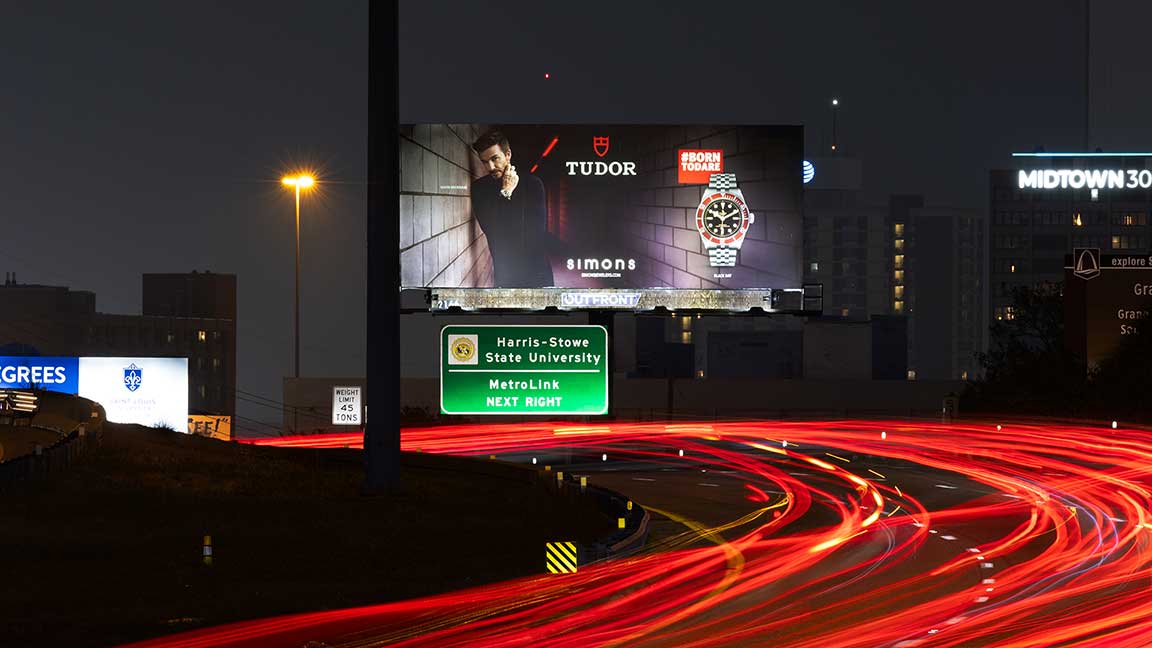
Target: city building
945	290
895	256
190	315
1036	220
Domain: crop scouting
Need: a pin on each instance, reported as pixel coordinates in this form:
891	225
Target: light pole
302	181
835	103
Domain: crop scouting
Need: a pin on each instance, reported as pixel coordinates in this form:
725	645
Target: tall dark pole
382	433
835	103
1087	74
296	371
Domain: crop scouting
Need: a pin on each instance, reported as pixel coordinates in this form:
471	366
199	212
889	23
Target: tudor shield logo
1086	263
133	376
600	145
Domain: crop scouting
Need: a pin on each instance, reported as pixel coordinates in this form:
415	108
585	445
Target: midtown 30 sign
1086	179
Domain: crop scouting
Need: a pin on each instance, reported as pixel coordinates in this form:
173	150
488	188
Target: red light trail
1046	542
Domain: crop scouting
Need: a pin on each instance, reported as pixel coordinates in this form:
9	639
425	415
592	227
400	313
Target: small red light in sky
547	76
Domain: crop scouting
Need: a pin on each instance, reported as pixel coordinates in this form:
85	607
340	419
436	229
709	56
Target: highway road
804	534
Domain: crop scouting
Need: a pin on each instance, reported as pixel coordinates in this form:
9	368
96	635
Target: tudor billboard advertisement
600	206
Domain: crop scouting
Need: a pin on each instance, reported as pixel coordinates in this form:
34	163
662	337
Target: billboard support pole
382	436
607	318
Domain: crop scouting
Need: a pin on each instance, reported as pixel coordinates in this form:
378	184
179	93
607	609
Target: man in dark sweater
511	210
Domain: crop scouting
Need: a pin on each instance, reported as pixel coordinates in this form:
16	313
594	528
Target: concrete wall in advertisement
440	242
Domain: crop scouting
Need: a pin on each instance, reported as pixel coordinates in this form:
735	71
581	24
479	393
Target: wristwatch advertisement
723	219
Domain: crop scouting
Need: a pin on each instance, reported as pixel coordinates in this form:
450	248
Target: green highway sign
523	369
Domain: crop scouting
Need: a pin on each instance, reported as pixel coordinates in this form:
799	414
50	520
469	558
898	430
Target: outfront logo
600	145
133	377
600	299
1086	263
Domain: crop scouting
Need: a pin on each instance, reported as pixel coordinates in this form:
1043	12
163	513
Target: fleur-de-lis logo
133	377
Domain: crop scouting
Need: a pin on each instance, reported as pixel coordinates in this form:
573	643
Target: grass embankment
110	551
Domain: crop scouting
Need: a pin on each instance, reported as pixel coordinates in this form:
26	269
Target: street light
302	181
835	104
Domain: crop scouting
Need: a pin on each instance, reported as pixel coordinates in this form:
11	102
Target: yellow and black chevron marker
561	557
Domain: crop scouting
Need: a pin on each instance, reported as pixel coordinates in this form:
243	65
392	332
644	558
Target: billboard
50	373
1106	298
600	206
210	425
144	391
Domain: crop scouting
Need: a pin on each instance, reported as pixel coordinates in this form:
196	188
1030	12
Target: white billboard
144	391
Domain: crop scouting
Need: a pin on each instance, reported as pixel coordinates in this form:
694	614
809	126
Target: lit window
814	266
1009	313
899	229
203	391
201	335
699	373
898	292
898	306
1012	268
215	364
911	374
686	337
898	276
898	261
963	375
1117	242
686	322
1076	220
171	338
844	312
899	244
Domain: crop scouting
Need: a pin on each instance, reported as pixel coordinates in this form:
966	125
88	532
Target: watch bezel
745	217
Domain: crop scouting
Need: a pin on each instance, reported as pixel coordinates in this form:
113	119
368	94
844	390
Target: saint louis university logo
1086	263
600	145
133	376
462	350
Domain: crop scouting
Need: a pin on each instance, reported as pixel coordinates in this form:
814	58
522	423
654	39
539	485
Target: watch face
722	218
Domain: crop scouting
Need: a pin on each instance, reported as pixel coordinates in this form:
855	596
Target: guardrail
55	458
625	540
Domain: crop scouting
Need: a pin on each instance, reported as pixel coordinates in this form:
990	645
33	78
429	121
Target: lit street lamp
835	103
302	181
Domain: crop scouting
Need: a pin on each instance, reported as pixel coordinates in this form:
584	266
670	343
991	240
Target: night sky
150	137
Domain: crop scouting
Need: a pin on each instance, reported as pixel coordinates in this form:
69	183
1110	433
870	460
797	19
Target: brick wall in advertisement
441	244
661	225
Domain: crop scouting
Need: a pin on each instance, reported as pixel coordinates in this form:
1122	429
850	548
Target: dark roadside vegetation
1029	371
109	551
